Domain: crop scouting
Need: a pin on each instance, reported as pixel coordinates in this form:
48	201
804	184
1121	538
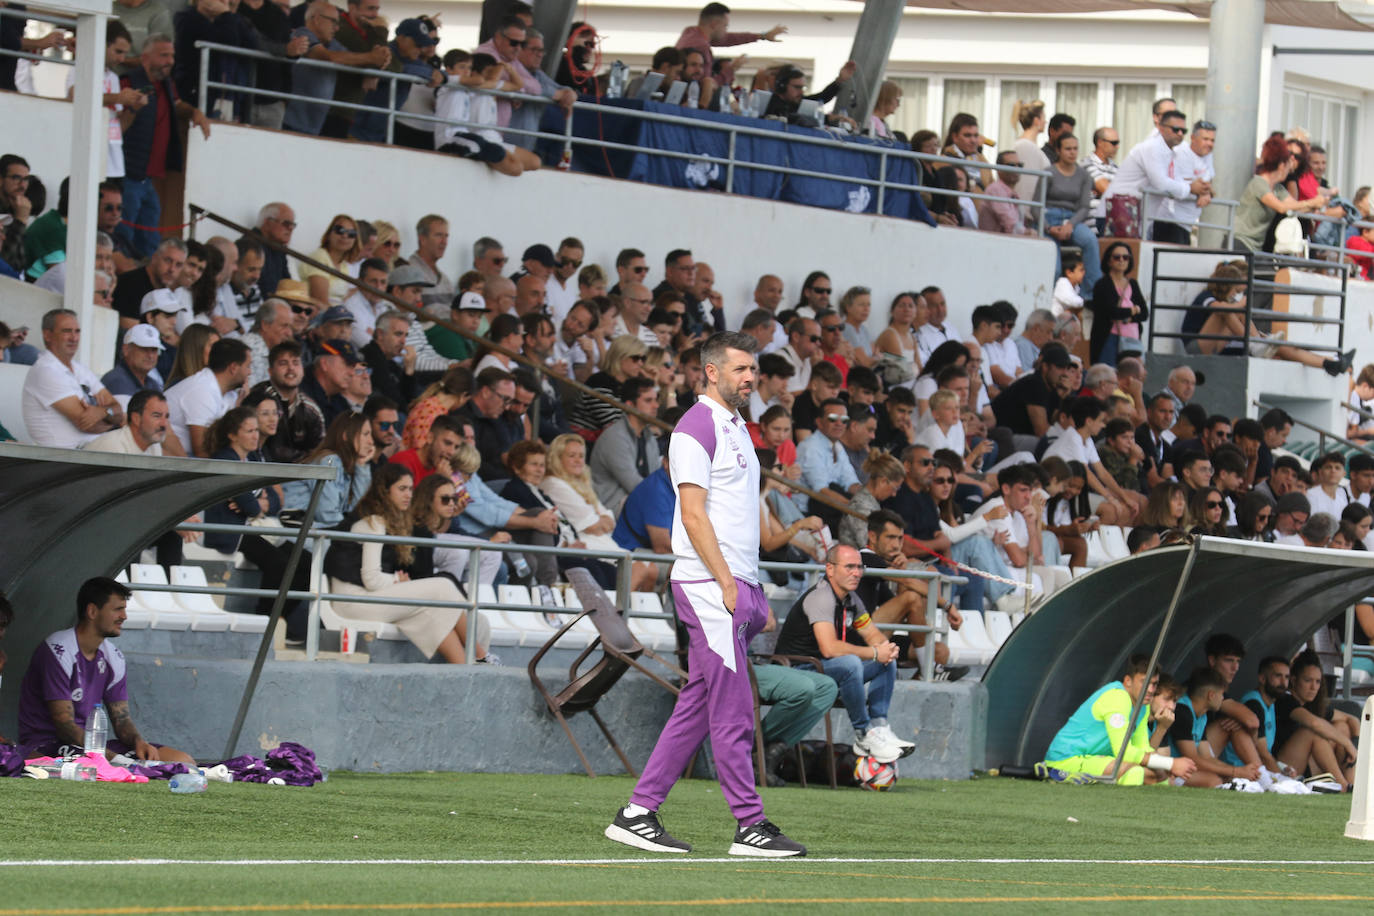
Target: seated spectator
382	571
897	601
348	448
437	501
964	140
1265	199
1068	289
527	463
435	456
774	432
73	671
1068	514
1328	495
1290	513
895	350
1121	455
1253	513
857	437
272	325
789	89
1167	507
1027	406
1311	736
824	386
145	431
1119	506
65	404
197	402
816	627
1089	743
896	430
1219	313
338	248
320	34
162	271
366	302
137	366
1023	542
486	412
45	239
996	216
442	397
336	361
627	450
1208	508
889	97
505	331
824	464
1359	427
1318	530
666	61
624	359
302	426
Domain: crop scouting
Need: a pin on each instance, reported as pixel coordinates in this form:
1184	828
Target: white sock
633	810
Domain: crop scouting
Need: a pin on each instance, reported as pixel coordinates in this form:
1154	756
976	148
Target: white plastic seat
165	614
1097	553
333	620
137	617
534	629
207	617
1114	542
658	635
962	652
977	635
247	623
998	625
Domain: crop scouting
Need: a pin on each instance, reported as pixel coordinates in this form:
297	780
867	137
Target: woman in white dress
898	340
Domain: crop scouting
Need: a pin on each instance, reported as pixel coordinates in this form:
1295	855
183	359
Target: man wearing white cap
466	314
137	367
65	405
161	309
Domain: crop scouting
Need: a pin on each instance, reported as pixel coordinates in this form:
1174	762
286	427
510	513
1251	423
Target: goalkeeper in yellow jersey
1088	743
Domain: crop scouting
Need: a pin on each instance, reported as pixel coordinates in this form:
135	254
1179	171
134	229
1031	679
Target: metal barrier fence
1261	269
1322	434
1147	221
622	560
732	131
1340	249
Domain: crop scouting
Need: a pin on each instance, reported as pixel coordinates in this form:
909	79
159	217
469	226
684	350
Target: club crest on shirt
100	665
739	459
77	693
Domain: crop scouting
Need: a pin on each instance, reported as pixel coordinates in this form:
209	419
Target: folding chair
620	652
767	642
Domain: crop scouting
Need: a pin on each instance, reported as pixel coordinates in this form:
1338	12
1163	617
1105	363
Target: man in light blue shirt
822	457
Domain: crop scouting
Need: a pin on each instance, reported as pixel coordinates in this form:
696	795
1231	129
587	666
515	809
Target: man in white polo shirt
143	434
197	402
717	596
64	403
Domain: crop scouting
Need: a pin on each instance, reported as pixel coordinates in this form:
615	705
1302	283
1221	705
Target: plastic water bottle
188	783
615	86
694	95
97	731
70	770
517	563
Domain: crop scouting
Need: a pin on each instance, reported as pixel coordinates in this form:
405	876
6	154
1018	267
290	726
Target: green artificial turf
497	817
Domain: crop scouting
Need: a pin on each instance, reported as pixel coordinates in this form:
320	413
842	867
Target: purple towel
290	762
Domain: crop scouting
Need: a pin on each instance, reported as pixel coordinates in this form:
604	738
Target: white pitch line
68	863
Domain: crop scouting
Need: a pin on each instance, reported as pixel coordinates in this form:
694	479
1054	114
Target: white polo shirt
47	382
197	401
711	447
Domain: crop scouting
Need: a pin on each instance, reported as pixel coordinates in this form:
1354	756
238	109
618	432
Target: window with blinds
1132	104
964	96
1192	101
1079	101
1012	91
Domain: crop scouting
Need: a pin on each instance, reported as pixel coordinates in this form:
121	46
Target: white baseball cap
160	300
144	335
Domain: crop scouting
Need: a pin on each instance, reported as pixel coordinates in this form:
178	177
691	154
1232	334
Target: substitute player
1088	743
718	598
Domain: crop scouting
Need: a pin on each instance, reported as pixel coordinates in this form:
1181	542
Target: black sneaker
644	832
949	672
764	839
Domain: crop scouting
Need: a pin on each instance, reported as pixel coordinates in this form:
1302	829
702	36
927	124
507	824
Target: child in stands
1066	295
454	102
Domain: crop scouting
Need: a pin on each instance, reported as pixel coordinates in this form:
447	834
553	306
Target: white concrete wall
240	168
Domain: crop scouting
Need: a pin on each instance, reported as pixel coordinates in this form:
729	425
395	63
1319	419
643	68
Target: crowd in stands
991	444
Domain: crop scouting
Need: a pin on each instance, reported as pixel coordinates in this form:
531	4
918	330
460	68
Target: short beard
732	396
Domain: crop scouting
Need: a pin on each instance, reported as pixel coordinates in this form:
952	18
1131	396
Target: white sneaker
873	744
889	736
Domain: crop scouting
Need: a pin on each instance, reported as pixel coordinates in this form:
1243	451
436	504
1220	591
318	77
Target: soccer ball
874	775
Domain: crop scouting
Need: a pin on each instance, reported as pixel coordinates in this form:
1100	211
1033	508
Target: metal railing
472	604
1342	252
1147	221
1260	271
731	129
65	23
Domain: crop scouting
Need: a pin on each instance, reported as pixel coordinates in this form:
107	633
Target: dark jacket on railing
139	135
226	29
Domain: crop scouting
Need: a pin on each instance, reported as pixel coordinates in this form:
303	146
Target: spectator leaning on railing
322	21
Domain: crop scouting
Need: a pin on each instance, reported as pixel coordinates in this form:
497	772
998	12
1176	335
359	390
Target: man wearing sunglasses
1192	161
1151	165
276	222
631	267
1101	165
803	342
561	291
825	464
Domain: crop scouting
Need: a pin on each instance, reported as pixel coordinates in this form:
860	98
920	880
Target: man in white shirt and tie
1150	166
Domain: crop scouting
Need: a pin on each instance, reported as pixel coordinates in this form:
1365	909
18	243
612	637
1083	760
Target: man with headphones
789	87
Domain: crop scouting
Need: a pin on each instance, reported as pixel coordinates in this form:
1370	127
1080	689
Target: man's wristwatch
110	414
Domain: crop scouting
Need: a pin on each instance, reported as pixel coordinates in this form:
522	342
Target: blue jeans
851	673
979	552
1117	346
141	206
1084	237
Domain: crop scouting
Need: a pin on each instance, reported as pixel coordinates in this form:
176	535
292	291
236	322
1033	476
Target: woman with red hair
1265	198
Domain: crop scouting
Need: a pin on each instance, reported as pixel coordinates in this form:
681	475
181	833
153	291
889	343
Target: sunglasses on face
1263	517
821	290
300	309
514	43
815	339
944	480
925	462
447	499
385	425
829	328
1112	142
640	270
345	232
636	359
1121	257
569	262
1175	129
